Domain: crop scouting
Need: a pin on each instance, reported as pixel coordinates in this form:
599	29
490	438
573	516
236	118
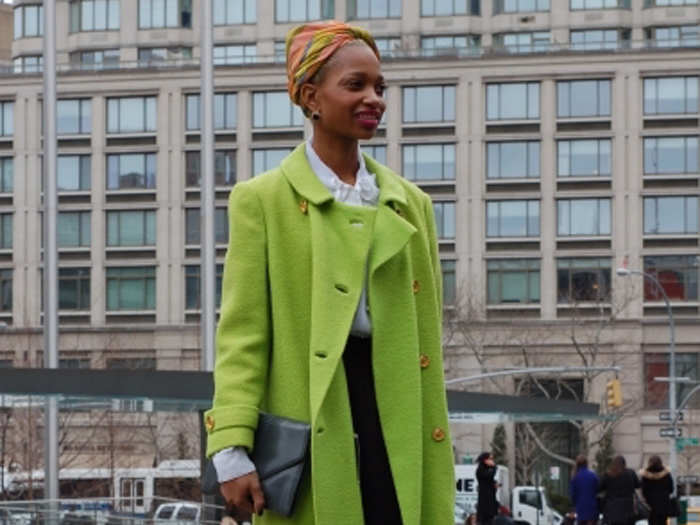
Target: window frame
530	216
194	229
687	100
499	7
294	110
82	287
223	102
226	6
120	274
445	175
248	55
268	163
20	29
529	98
183	14
149	115
326	11
685	265
193	272
443	210
600	84
150	176
687	167
394	10
84	220
601	266
619	4
7	175
570	216
146	216
76	16
570	156
530	267
84	116
7	114
6	277
414	92
688	227
219	154
6	230
471	8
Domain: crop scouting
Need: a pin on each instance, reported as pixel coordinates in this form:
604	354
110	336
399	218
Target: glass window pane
68	172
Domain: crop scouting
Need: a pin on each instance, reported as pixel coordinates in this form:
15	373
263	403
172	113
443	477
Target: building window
668	155
519	6
94	15
445	219
6	118
192	226
449	281
674	36
583	98
28	64
677	274
265	159
378	153
303	10
449	7
165	13
424	162
6	174
97	59
149	56
281	51
670	95
225	111
73	229
449	45
660	3
513	101
131	228
231	12
364	9
589	217
131	363
599	4
597	39
657	365
131	288
29	20
74	362
131	115
224	168
5	231
584	158
127	171
513	160
583	279
513	218
531	42
513	281
235	54
429	104
74	288
273	109
6	289
193	283
388	47
74	116
671	215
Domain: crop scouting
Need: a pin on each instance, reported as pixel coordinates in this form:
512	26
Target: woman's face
350	94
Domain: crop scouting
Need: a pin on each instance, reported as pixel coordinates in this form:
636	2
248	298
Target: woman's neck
338	154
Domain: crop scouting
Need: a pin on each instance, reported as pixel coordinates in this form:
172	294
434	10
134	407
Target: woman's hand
244	493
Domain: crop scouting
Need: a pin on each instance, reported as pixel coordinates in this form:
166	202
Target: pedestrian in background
619	484
486	505
657	487
583	489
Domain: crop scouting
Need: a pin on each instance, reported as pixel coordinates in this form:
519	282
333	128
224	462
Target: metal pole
51	491
206	209
533	370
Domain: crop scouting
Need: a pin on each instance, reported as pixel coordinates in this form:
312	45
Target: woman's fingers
244	493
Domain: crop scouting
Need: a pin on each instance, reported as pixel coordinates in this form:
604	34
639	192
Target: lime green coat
294	271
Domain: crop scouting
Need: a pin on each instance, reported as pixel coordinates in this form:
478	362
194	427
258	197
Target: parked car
179	512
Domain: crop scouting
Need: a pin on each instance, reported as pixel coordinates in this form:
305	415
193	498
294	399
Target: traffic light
614	393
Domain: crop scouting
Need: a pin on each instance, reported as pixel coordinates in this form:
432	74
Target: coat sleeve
434	256
243	334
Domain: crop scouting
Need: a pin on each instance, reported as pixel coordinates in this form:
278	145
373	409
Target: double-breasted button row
209	423
415	286
304	206
424	361
438	434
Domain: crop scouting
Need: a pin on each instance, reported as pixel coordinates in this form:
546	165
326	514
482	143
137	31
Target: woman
486	505
331	310
583	489
657	487
619	484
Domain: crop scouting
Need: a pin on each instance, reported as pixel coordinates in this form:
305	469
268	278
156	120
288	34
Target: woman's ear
308	97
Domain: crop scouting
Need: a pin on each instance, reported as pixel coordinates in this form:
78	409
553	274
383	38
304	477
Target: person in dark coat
657	487
619	484
486	505
583	489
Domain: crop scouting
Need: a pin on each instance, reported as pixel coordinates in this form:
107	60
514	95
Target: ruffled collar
364	192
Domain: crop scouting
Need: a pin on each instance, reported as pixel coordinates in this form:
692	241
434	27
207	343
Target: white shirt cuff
231	463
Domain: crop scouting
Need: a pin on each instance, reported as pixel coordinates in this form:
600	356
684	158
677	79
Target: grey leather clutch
280	456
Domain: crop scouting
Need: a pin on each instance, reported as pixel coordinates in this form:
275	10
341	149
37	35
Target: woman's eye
381	89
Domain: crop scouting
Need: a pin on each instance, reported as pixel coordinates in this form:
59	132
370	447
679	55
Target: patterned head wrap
310	46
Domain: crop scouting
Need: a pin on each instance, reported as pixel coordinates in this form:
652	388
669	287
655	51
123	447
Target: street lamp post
673	460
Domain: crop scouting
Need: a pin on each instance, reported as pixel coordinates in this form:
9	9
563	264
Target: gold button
304	206
398	211
424	361
209	423
416	287
438	434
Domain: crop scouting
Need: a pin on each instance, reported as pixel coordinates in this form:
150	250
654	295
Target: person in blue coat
583	488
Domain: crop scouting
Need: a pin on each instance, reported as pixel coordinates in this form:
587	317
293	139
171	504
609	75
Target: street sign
688	479
667	432
665	415
681	443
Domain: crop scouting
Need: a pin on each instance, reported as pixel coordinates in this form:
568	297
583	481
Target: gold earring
316	115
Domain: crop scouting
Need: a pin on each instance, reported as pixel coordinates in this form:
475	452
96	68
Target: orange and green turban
310	46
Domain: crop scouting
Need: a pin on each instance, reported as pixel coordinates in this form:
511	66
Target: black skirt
379	502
